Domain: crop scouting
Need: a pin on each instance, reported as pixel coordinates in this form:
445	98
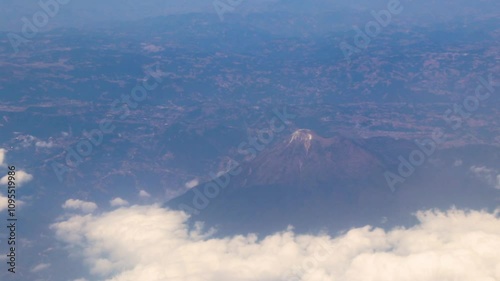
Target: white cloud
117	202
21	177
2	156
44	144
151	48
25	140
40	267
488	175
4	202
480	169
151	243
192	183
84	206
144	194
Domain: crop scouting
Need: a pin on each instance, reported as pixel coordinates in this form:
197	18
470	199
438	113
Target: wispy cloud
40	267
488	175
192	183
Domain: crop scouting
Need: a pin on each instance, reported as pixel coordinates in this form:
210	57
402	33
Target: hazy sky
93	12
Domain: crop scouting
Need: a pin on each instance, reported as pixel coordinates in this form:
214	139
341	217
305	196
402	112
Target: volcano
302	180
317	183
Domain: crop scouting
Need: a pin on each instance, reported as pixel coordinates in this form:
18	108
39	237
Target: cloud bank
152	243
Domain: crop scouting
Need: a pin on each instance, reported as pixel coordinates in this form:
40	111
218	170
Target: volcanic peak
304	136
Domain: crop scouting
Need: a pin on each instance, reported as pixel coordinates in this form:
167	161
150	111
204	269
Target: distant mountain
314	183
302	180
